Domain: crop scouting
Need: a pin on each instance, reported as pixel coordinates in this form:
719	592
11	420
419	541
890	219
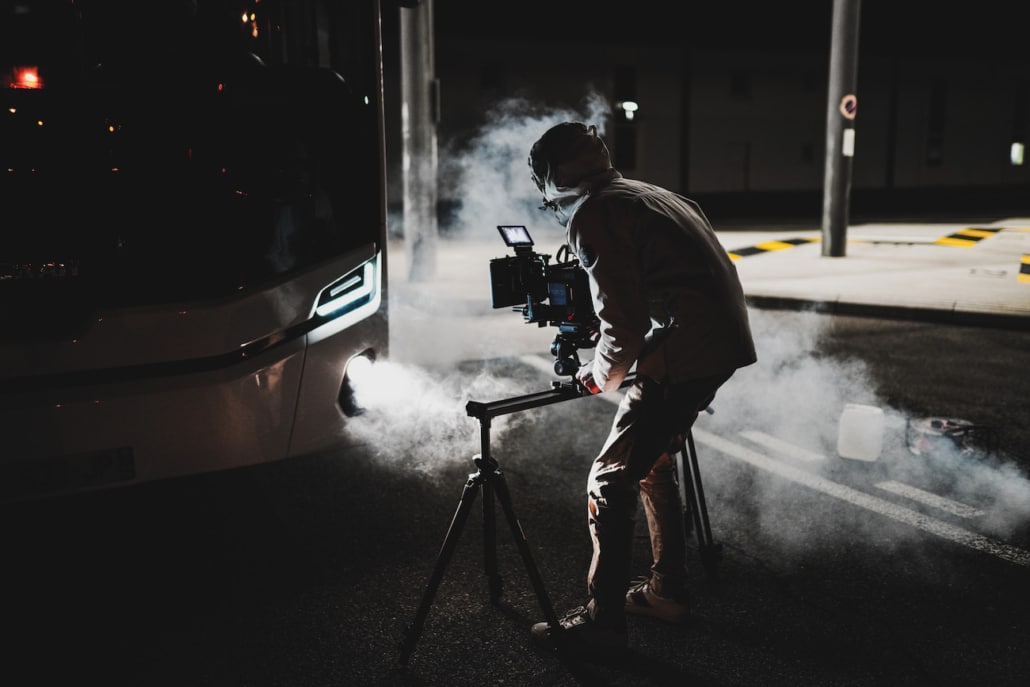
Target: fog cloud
489	176
792	394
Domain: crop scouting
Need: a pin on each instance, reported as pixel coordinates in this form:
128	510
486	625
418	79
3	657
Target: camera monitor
515	235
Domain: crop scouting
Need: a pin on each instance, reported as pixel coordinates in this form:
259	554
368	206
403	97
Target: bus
193	234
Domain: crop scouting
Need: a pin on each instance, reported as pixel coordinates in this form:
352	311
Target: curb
962	318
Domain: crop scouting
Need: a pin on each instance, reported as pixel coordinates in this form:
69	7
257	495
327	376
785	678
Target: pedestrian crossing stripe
967	237
1024	269
767	246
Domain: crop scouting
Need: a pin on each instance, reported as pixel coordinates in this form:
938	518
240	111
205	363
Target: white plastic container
860	434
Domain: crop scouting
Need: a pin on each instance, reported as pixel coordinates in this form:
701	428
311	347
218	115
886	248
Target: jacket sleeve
602	237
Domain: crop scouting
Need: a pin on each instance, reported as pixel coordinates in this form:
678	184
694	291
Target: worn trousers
652	417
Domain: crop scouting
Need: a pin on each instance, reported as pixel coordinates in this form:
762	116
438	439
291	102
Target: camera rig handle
565	349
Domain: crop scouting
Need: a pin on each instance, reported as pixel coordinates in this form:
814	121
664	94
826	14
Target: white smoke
416	418
798	396
415	403
793	393
489	175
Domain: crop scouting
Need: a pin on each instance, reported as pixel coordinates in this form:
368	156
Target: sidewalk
947	273
952	273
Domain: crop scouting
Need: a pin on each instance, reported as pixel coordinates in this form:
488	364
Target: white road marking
855	497
877	505
930	499
782	447
900	488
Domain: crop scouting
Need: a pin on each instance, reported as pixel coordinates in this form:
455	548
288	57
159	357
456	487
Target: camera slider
489	479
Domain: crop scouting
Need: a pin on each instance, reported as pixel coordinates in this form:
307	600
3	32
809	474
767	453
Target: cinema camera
557	295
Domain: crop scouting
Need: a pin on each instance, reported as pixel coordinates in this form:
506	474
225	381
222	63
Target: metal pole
419	115
842	106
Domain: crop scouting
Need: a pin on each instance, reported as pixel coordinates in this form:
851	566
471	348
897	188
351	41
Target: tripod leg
691	517
503	495
412	633
710	551
493	578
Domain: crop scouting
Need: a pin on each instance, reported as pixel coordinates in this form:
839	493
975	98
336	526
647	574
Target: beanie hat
566	155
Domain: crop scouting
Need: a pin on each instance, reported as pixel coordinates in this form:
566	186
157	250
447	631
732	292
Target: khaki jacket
665	290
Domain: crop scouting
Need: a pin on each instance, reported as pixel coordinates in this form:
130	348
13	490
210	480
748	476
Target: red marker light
24	77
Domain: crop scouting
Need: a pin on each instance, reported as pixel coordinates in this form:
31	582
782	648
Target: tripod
489	478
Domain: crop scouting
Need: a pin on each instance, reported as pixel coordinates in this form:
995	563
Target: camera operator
669	300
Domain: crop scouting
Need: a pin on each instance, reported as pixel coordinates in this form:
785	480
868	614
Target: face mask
563	219
564	207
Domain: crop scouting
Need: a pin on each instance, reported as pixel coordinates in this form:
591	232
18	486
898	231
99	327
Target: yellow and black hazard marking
767	246
1024	269
967	237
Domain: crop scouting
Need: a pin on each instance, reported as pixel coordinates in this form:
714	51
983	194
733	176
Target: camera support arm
484	412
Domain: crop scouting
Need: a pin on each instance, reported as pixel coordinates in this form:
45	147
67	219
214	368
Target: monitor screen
515	235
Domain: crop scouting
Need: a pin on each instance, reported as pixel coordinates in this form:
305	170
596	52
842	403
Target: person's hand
585	376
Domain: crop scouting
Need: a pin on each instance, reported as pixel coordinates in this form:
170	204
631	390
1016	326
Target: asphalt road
910	569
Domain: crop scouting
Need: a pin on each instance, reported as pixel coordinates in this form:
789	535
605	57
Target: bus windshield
190	149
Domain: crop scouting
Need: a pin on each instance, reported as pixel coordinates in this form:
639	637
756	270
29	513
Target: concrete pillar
419	117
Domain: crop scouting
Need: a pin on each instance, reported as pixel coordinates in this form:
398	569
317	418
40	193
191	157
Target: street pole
842	106
419	115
